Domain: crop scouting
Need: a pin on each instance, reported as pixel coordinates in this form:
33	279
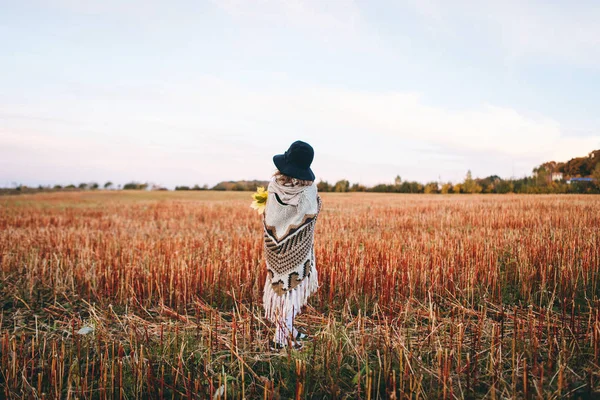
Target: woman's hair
283	179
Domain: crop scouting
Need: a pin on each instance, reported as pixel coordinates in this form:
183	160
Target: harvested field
115	295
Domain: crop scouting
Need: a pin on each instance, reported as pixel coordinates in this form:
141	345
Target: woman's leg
280	330
285	326
290	324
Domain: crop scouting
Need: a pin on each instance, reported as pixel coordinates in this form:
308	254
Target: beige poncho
289	248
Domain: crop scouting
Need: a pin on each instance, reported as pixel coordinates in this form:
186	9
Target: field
116	295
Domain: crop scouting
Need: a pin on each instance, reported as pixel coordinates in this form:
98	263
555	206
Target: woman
289	222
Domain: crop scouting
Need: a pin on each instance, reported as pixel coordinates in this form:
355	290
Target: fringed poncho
289	248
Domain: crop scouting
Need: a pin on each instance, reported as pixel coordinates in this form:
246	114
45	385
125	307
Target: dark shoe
279	346
276	346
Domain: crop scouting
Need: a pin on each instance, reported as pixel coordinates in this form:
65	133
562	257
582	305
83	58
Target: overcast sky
185	92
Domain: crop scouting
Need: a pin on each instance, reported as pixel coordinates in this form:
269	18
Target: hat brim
284	167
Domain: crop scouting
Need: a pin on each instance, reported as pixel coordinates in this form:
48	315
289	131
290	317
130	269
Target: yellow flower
260	200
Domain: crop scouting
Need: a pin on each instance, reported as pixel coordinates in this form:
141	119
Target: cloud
213	129
336	25
338	112
532	31
333	15
566	33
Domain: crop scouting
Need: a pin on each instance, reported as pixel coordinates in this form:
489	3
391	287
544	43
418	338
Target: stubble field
115	295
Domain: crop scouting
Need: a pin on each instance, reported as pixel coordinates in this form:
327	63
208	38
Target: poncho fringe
292	302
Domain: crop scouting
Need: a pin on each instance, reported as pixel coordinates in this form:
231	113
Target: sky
196	92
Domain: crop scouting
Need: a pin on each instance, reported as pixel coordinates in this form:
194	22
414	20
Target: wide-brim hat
295	162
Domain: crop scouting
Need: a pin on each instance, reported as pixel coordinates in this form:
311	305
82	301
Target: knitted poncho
289	248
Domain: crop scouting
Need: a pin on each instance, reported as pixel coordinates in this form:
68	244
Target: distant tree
82	186
71	186
356	187
550	167
488	185
542	175
239	185
583	187
430	188
381	188
404	187
323	186
457	188
223	186
198	187
596	175
446	188
94	186
57	187
521	185
182	188
108	185
593	161
469	185
577	167
409	187
135	186
341	186
503	186
397	180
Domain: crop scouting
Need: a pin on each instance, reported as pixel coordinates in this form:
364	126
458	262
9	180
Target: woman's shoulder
312	188
310	195
309	191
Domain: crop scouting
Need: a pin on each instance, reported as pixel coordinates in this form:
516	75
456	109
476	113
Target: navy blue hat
295	162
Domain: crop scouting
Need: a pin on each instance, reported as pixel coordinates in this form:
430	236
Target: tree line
578	175
492	184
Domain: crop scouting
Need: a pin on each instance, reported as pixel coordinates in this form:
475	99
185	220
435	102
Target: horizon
198	93
151	185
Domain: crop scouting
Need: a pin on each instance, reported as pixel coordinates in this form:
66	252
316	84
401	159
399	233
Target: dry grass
421	297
